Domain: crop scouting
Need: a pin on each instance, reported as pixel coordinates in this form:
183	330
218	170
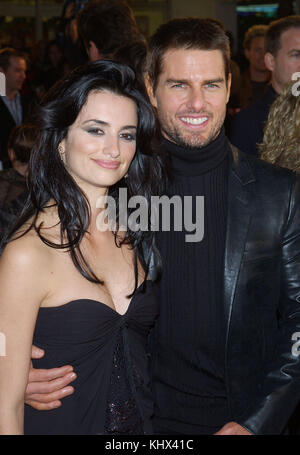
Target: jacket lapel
241	196
5	113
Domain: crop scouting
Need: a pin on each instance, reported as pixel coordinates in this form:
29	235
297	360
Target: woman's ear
61	151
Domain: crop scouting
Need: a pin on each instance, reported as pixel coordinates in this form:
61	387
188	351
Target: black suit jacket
246	128
262	294
7	124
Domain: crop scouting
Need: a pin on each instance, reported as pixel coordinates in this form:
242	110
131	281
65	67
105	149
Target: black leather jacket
262	294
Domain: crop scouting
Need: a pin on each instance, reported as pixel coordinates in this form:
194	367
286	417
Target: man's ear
149	88
269	61
11	155
229	79
246	53
93	52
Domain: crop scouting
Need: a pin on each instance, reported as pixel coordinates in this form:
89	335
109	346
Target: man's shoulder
253	112
265	172
3	106
256	109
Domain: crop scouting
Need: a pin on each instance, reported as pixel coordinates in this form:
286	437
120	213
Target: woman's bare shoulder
27	245
26	249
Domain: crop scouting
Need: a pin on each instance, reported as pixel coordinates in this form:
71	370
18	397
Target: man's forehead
189	63
257	41
17	61
291	38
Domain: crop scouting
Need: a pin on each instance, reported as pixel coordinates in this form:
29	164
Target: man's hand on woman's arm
46	388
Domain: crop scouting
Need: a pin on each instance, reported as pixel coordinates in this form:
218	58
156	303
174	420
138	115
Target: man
282	58
13	187
224	359
105	26
12	105
108	30
255	79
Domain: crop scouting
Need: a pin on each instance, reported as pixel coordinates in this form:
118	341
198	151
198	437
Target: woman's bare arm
23	286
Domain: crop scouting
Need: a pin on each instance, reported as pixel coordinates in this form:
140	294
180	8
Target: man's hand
233	428
46	388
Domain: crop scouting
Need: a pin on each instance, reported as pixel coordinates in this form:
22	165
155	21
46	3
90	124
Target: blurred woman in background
281	141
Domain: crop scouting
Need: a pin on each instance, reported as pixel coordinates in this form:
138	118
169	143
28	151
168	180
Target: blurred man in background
282	58
256	77
12	106
106	26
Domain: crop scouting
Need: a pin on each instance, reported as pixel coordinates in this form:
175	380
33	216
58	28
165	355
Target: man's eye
178	86
212	86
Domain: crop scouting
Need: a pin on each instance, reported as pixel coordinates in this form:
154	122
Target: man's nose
196	99
112	147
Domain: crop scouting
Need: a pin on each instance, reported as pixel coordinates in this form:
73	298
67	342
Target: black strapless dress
109	354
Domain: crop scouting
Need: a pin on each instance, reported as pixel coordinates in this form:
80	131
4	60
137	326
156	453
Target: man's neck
21	168
11	94
276	86
258	76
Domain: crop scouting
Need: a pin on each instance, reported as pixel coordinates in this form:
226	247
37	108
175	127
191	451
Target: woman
281	141
83	294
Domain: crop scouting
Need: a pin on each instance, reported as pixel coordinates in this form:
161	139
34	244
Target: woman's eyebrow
101	122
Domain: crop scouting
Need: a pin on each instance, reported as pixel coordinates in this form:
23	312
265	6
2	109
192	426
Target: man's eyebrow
214	81
186	81
102	123
177	81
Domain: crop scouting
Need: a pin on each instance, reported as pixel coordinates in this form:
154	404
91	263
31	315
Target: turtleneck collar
197	161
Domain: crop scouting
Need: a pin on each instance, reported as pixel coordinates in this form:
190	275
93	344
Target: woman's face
101	144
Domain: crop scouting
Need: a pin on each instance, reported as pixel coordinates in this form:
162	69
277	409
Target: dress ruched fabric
109	354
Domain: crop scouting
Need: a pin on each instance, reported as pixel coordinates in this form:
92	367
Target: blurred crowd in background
97	29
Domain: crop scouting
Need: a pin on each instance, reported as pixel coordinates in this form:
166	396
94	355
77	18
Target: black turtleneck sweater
189	338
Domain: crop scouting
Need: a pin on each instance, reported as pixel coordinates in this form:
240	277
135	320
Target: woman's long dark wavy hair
48	178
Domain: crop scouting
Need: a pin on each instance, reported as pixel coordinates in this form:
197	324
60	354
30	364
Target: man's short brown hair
275	31
21	140
186	33
6	53
256	31
110	24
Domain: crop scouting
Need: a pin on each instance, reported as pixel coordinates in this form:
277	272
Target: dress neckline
98	302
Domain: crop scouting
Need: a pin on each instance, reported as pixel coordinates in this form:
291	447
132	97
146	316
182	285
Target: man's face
287	60
15	74
191	96
256	53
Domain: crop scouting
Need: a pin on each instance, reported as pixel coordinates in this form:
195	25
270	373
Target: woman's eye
95	131
128	136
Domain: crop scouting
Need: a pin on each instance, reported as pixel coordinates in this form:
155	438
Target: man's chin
191	142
